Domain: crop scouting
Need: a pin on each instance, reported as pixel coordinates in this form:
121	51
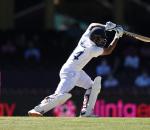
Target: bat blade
137	36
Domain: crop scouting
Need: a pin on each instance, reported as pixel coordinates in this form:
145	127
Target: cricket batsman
91	45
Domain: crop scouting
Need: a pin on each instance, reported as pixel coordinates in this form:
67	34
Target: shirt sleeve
97	51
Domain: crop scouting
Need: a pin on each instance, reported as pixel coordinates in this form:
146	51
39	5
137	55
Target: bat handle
128	34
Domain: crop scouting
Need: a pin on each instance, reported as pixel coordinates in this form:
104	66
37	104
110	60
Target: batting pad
52	101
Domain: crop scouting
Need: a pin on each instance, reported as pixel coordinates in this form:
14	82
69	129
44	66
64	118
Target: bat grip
128	33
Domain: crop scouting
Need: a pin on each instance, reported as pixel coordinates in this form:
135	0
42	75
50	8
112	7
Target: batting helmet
98	36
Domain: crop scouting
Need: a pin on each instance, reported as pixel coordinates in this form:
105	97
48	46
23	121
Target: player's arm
93	25
109	26
111	47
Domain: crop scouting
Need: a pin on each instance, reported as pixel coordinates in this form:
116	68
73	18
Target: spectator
143	80
8	53
103	68
111	81
32	52
8	48
132	60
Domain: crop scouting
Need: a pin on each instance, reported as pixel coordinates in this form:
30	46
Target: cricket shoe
91	115
34	113
84	114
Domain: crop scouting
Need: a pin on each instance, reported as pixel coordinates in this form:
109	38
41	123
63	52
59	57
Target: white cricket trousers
70	79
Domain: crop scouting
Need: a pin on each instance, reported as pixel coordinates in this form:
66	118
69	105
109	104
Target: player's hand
110	26
119	31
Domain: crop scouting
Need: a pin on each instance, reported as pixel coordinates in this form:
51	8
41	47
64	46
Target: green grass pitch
73	123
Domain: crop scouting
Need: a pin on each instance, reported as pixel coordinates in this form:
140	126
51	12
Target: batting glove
110	26
119	32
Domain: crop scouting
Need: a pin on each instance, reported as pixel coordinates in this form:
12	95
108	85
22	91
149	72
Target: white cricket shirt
82	54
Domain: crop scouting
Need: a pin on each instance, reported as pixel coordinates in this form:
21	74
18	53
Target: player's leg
67	83
84	81
49	103
90	101
85	101
92	91
60	96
